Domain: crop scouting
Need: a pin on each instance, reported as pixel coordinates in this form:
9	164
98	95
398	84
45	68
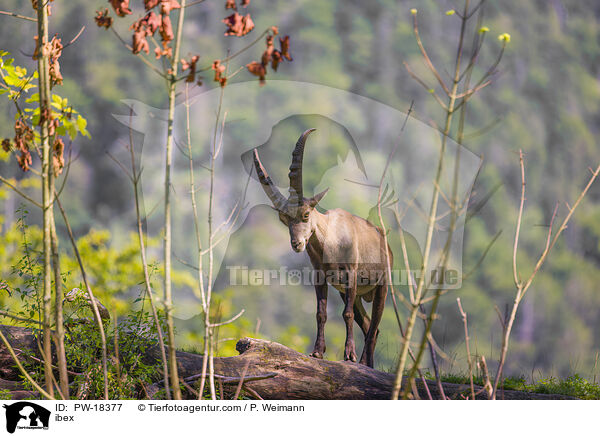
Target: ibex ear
315	200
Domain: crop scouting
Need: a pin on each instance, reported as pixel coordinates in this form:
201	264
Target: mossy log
271	371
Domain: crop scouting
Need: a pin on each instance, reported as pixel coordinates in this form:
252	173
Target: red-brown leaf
121	7
139	42
238	25
219	70
191	65
166	6
55	51
149	4
24	160
103	19
148	24
165	51
153	22
58	156
166	29
285	47
266	56
6	145
257	69
275	59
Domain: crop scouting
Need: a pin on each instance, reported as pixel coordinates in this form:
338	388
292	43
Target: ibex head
296	212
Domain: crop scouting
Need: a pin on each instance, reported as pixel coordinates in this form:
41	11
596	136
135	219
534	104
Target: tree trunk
45	96
272	372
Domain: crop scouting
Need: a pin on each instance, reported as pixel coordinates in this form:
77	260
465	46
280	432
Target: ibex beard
339	242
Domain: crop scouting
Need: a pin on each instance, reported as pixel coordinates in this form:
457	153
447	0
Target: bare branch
18	318
125	171
519	220
237	53
239	386
21	193
562	227
22	17
424	85
473	90
92	299
193	3
426	56
469	360
139	55
75	38
135	181
482	257
523	287
229	321
23	370
486	377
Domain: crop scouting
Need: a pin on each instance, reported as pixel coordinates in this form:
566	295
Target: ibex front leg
319	349
349	351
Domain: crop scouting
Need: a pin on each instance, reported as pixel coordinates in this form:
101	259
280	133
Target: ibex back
346	251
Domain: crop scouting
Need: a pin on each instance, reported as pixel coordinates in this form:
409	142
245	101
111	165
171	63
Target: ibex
346	250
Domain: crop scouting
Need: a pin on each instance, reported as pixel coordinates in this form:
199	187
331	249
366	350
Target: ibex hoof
316	354
366	362
350	356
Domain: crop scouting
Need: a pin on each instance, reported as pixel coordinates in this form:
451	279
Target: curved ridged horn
296	169
270	189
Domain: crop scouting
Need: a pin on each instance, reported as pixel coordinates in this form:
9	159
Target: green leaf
20	71
13	80
35	98
82	126
72	131
71	128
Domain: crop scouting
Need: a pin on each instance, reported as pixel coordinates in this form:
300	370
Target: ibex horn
296	169
270	189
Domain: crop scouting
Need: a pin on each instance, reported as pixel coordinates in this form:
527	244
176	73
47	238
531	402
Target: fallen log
273	371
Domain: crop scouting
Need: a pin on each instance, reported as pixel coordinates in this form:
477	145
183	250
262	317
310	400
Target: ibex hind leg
348	314
361	317
360	314
367	357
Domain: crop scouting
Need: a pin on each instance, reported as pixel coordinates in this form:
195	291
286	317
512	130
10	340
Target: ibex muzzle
347	250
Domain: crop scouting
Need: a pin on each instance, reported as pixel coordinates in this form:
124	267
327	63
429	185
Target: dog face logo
26	415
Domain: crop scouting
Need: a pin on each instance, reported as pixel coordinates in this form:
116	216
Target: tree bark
273	372
45	97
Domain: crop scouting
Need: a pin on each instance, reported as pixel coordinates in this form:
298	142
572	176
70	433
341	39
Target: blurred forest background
546	100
